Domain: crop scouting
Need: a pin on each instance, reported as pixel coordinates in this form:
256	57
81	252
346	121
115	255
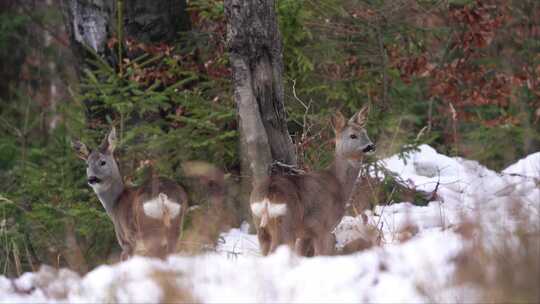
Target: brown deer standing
302	210
147	219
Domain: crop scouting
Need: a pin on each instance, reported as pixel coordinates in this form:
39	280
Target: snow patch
396	271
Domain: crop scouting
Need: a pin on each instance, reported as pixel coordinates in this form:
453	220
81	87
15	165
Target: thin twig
383	56
306	128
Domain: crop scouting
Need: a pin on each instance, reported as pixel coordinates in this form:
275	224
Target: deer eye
102	163
353	136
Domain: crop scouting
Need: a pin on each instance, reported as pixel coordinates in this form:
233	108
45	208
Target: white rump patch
257	208
161	206
273	209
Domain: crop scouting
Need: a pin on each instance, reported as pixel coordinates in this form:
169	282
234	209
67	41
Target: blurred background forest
462	76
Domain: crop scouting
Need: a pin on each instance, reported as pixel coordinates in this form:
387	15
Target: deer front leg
172	240
124	255
127	251
123	241
281	235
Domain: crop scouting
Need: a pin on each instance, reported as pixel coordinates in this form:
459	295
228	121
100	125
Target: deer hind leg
264	240
124	255
175	232
152	244
278	241
270	230
281	234
172	238
304	247
270	237
324	244
275	235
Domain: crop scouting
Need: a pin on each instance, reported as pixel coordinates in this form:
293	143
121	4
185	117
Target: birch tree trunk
255	52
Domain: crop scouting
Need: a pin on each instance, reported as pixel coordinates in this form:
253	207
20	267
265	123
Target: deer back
321	195
148	218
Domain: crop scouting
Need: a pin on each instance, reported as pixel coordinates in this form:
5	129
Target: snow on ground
395	272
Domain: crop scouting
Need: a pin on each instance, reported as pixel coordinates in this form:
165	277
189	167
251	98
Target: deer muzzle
92	180
369	149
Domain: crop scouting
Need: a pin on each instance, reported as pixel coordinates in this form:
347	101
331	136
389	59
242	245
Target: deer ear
80	149
338	121
360	118
109	143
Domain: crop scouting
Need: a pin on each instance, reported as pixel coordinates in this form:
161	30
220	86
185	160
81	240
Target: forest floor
426	253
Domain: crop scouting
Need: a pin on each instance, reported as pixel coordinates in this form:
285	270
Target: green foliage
389	188
207	9
167	124
343	54
165	111
40	195
10	26
498	144
335	61
295	37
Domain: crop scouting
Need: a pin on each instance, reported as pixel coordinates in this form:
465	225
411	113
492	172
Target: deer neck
346	172
109	194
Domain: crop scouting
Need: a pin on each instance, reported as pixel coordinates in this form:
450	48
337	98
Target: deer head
352	141
102	169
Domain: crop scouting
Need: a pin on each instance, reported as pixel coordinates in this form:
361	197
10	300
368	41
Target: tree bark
89	24
255	51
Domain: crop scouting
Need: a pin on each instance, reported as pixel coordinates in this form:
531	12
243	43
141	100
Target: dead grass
357	245
505	268
172	291
54	283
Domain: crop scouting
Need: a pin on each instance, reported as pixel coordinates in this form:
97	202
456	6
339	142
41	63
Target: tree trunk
255	51
89	25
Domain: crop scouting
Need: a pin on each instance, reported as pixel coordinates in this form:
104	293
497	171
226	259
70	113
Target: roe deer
147	219
302	210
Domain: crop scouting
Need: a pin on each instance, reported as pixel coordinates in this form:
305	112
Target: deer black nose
93	180
369	148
